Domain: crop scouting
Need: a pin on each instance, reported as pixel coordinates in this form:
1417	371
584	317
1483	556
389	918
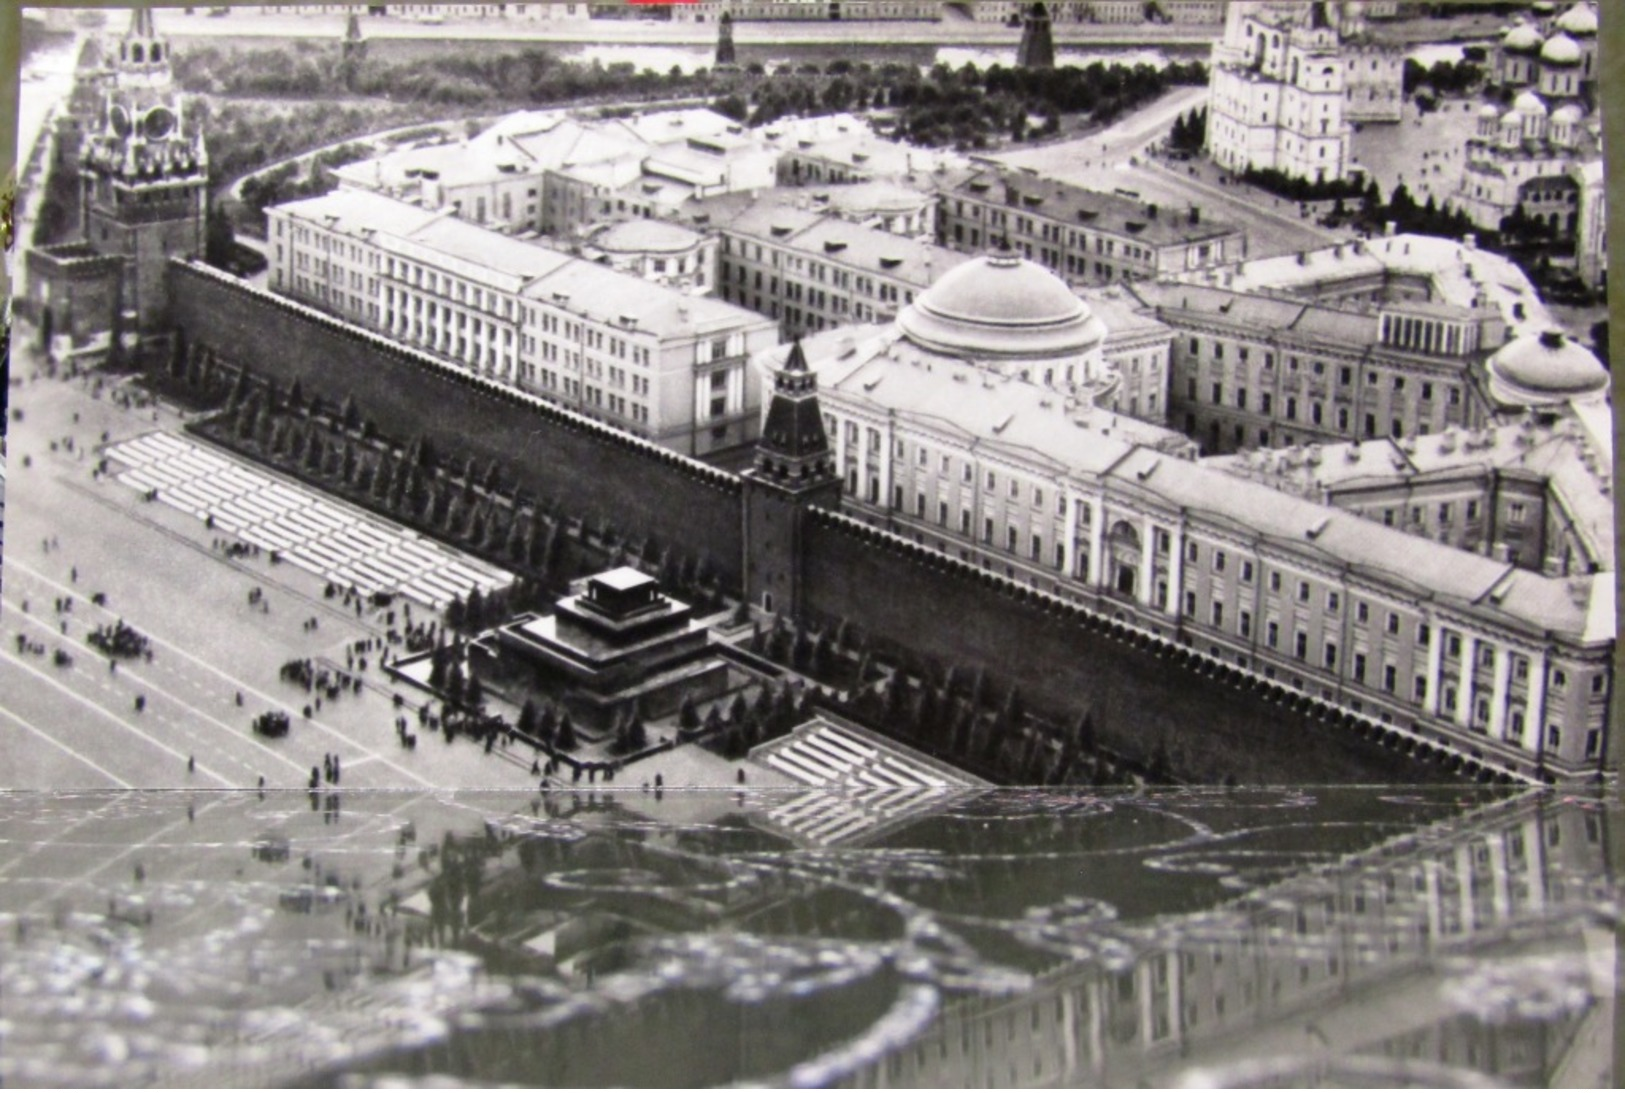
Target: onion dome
1522	38
1567	114
1543	369
1528	102
1488	110
1580	20
1560	49
1000	306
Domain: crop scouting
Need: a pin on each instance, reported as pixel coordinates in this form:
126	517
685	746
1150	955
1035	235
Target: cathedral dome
1581	19
1489	110
1000	306
1560	49
1522	38
1545	368
1528	102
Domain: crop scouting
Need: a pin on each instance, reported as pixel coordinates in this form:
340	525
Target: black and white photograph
862	543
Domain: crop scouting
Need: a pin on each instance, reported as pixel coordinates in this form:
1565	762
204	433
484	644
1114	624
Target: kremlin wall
1215	720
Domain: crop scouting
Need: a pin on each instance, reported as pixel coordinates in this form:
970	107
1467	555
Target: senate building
1457	582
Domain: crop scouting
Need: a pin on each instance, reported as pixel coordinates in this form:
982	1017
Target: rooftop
1429	569
577	285
992	413
1576	469
1098	211
1458	273
787	218
637	236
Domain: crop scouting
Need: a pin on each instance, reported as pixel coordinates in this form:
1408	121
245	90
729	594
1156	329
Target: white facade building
1288	79
939	440
654	361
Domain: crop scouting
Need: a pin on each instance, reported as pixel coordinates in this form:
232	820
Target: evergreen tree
688	717
567	733
527	718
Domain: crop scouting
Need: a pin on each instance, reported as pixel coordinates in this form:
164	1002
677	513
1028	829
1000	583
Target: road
1117	158
38	96
76	724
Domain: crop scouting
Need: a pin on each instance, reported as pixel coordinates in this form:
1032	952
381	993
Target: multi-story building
1281	93
1375	338
747	11
1541	158
787	256
839	148
1082	235
1510	663
547	172
652	360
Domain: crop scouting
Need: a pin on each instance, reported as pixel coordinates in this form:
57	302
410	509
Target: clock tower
144	173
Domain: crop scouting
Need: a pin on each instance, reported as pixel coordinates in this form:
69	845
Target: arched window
135	54
157	53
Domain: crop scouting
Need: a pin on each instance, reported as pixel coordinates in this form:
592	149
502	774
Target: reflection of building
1537	166
971	425
143	195
1287	81
652	360
1322	978
1082	235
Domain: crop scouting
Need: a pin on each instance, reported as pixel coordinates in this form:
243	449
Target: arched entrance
1124	553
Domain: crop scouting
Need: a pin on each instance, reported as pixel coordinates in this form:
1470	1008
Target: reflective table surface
1321	937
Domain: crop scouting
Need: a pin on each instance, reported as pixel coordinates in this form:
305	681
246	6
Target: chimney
1388	228
1470	241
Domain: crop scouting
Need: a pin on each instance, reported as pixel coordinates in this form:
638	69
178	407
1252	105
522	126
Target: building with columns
941	433
650	359
1385	337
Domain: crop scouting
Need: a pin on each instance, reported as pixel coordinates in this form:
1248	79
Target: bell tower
144	172
794	471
